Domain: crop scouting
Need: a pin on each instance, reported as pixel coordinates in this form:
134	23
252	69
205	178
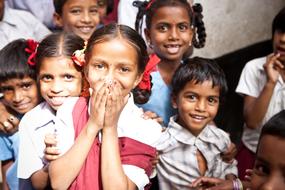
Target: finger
7	126
52	151
13	120
50	158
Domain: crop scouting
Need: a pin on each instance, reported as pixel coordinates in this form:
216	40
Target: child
20	94
59	77
191	146
261	83
169	32
111	136
77	16
268	170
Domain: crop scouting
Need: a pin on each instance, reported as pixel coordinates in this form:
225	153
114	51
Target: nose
173	34
18	96
86	17
56	86
200	106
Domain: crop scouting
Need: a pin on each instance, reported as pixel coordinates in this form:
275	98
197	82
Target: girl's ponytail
199	38
142	8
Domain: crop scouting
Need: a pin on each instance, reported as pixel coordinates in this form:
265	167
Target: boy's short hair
13	61
279	22
58	6
199	70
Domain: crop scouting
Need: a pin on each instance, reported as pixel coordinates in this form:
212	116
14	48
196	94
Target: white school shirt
32	130
251	83
20	24
178	166
131	124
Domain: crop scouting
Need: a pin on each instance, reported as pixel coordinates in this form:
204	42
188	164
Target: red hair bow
32	50
145	83
149	4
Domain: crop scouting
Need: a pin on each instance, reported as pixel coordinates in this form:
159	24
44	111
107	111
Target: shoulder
255	64
218	137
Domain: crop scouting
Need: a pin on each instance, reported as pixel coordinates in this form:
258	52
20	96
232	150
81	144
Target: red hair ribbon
145	83
149	4
31	48
78	57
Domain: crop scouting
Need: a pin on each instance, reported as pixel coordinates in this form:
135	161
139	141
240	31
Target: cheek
256	182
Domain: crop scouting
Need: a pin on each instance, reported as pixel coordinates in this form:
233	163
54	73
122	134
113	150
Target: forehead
204	88
171	14
57	64
17	81
83	3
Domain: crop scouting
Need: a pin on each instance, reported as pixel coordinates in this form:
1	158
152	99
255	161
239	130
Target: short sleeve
136	175
6	152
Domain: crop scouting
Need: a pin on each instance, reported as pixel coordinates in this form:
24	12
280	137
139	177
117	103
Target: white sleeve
127	13
136	175
28	159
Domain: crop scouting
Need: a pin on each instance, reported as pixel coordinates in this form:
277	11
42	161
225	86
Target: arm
110	153
256	108
77	154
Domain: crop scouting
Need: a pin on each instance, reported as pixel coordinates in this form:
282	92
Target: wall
234	24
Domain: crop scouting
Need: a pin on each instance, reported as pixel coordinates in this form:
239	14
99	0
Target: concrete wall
234	24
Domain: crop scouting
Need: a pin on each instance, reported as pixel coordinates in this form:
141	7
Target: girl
268	170
20	94
111	136
78	16
169	32
59	77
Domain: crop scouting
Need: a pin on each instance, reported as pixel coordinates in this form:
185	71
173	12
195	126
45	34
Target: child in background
111	136
59	78
191	146
268	170
262	85
77	16
20	94
169	32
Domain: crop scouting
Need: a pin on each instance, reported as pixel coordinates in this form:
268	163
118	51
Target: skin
21	95
269	168
112	72
59	79
79	16
273	68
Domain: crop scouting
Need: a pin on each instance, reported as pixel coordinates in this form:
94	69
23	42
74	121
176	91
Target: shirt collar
47	115
8	16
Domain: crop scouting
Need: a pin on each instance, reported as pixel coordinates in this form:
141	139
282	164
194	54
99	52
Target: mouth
86	29
22	106
57	100
172	48
198	118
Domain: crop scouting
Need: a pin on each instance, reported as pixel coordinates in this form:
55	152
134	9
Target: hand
8	122
230	154
272	67
248	174
152	115
51	151
208	183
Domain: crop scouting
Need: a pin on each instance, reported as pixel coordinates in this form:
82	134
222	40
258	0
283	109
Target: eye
75	11
6	89
183	27
162	28
261	169
191	97
46	78
26	85
99	66
68	77
213	100
94	11
125	69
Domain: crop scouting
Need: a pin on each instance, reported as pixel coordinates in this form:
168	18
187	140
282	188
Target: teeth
173	49
86	29
57	100
198	117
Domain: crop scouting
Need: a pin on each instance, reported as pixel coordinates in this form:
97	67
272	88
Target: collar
9	17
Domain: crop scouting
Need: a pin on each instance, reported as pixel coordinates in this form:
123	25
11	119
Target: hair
114	31
195	16
275	126
278	22
58	6
14	61
58	44
199	70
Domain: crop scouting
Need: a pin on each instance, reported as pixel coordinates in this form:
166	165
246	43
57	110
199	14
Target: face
1	9
79	16
114	60
269	168
170	33
20	94
279	45
59	79
197	105
102	8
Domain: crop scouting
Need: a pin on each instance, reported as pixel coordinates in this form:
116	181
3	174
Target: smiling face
79	16
170	33
58	80
20	94
279	44
197	105
113	60
269	168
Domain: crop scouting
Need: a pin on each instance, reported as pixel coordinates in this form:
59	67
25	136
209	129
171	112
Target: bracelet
237	184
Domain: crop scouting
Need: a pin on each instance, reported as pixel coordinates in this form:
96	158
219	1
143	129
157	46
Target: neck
167	69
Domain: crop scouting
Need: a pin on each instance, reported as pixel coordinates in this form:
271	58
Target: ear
57	20
174	101
138	80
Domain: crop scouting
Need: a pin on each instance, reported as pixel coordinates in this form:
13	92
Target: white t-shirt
251	83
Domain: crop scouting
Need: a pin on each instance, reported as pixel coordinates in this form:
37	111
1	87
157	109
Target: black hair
113	31
58	6
279	22
275	126
14	61
58	44
198	70
195	16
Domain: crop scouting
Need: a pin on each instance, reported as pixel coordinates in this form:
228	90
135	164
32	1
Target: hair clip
149	4
78	57
31	48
